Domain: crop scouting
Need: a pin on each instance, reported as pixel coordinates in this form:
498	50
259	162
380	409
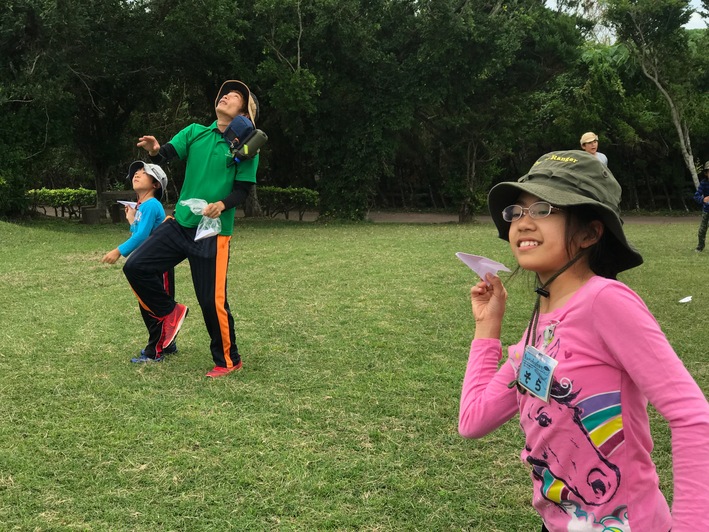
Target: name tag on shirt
536	372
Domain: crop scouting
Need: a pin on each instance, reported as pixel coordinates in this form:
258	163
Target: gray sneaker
143	359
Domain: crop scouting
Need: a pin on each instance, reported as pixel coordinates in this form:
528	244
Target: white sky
696	22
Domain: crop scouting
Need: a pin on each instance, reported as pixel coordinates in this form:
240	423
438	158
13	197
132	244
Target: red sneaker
219	371
171	324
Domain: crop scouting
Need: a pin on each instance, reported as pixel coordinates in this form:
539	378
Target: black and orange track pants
166	247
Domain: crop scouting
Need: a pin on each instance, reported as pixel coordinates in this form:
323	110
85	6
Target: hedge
69	200
273	200
276	200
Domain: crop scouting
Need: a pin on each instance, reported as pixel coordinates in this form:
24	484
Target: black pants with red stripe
166	247
154	348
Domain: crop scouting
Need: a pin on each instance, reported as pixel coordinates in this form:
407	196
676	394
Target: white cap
152	170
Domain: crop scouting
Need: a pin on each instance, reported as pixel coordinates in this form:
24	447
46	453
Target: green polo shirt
208	175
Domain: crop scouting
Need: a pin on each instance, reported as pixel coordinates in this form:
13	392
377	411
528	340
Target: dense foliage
393	103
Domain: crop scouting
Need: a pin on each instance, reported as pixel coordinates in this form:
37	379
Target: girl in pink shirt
589	362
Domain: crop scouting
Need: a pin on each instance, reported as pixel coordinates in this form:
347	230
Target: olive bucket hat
567	179
252	105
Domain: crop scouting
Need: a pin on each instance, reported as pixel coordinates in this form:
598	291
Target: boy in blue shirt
149	182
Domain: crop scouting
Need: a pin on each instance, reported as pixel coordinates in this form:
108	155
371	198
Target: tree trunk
252	208
101	183
677	120
634	195
466	213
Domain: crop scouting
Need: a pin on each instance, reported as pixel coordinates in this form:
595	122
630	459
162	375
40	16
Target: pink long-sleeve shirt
589	447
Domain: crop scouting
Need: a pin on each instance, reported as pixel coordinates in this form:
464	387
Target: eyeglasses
540	209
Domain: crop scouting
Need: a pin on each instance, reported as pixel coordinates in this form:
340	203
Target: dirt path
439	218
442	218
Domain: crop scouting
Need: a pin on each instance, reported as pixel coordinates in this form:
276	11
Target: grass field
354	340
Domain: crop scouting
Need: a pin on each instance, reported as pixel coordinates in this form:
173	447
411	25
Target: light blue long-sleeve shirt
147	217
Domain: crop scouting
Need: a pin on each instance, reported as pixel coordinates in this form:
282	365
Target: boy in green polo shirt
209	175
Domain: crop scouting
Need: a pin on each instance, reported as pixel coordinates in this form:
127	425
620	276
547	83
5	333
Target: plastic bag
207	226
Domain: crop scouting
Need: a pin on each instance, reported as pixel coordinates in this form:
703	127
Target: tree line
389	103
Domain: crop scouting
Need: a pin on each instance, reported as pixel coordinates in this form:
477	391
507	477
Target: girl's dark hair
601	254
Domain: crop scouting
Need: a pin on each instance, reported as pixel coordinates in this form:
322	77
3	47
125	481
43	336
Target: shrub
12	197
276	200
64	200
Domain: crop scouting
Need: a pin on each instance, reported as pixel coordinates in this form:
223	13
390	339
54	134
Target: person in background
589	143
701	196
590	360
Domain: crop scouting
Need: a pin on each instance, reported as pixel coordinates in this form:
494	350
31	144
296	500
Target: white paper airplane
481	265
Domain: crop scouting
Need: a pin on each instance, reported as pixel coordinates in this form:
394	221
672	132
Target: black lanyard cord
542	291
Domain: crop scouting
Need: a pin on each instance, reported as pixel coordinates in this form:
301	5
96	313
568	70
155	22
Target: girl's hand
488	299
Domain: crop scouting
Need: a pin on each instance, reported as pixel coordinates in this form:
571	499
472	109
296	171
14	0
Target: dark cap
566	179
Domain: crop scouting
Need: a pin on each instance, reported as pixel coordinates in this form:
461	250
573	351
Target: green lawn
354	340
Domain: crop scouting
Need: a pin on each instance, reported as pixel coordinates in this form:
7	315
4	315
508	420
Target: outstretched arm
650	362
159	154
